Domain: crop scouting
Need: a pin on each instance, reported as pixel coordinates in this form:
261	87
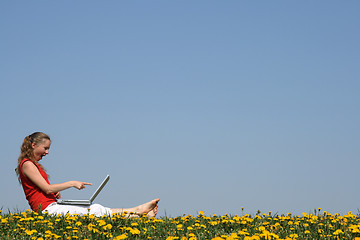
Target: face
41	149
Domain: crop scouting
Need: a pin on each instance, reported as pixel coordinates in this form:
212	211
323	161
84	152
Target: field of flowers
319	225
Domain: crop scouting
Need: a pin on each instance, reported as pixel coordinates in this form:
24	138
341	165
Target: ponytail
27	151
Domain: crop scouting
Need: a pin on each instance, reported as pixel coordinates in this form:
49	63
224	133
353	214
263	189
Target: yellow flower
101	222
234	235
243	233
337	232
134	231
172	238
109	226
30	232
90	226
78	223
123	236
262	228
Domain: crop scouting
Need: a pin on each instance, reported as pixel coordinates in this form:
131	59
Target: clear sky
209	105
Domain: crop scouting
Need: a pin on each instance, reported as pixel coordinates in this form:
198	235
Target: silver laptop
85	202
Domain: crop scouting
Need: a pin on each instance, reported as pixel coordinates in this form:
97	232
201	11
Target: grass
320	225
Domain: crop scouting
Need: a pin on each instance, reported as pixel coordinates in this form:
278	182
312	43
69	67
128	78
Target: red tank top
38	200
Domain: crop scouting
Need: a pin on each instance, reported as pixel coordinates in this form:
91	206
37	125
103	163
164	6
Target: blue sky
209	105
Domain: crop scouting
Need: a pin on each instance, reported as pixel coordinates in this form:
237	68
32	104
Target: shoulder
30	169
28	164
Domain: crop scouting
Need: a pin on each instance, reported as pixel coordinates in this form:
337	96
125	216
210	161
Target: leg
96	209
149	208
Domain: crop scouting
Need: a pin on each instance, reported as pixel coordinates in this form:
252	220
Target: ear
33	145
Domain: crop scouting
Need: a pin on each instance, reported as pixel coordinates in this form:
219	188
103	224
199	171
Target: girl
42	195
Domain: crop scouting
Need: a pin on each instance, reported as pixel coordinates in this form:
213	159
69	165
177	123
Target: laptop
85	202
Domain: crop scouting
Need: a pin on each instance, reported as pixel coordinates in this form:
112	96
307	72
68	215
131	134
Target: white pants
96	209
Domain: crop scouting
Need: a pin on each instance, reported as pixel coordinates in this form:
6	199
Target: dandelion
338	232
123	236
107	227
101	222
78	223
213	223
30	232
133	231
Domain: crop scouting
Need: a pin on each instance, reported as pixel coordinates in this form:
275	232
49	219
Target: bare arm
32	172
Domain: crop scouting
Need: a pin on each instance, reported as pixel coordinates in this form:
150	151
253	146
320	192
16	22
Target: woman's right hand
80	185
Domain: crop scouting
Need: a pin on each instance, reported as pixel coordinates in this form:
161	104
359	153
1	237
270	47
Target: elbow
48	191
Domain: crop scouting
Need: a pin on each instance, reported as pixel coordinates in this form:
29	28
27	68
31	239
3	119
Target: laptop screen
99	188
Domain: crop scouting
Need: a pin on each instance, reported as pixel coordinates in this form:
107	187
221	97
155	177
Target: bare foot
153	212
147	207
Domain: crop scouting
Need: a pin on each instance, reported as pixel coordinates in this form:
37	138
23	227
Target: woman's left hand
58	195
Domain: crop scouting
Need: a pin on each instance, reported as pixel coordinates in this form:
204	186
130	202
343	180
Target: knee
98	210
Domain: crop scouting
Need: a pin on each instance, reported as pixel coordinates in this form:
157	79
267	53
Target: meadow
316	225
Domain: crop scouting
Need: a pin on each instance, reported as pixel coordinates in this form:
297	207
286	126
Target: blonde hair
28	152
